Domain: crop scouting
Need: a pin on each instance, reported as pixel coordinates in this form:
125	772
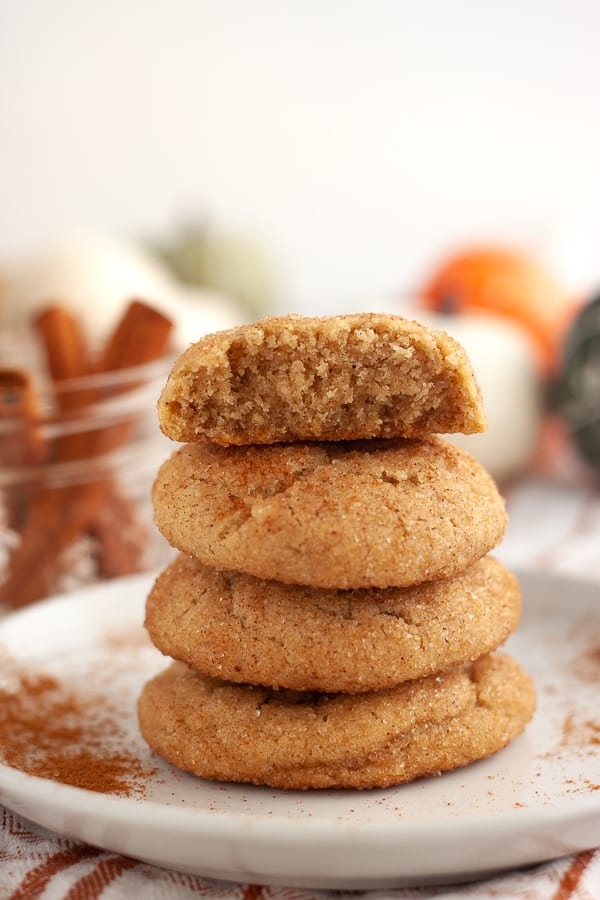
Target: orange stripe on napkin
37	880
104	873
572	876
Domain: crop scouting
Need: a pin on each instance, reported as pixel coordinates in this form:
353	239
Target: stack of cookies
333	612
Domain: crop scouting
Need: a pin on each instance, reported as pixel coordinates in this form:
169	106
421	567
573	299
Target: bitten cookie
243	629
332	378
293	740
343	515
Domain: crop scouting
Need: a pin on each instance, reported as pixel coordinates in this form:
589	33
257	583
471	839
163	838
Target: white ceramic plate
537	799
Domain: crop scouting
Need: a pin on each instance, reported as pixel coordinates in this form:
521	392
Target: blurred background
356	142
227	160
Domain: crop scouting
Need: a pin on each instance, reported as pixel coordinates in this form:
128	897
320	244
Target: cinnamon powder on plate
50	730
580	734
587	665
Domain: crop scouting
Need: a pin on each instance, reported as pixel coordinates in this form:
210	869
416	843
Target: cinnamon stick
21	442
59	515
121	537
67	354
140	337
68	359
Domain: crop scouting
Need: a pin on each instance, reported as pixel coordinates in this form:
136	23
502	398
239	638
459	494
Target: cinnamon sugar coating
333	613
331	378
295	740
243	629
336	515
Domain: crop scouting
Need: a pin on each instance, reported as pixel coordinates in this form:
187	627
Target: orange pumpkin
507	283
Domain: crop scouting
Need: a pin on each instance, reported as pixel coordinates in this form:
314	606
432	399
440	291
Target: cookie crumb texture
305	740
332	378
244	629
342	515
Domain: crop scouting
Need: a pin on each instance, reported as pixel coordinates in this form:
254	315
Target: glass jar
77	461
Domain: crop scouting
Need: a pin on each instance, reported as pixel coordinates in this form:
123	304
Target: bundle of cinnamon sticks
48	515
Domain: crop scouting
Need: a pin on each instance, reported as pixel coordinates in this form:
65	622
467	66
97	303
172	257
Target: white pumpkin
96	277
503	359
198	311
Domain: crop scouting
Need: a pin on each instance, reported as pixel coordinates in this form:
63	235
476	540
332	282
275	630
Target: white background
357	140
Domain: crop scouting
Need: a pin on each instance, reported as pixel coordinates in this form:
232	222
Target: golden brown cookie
333	378
243	629
305	740
344	515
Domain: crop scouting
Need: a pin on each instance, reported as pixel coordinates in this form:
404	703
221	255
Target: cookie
344	515
332	378
296	740
243	629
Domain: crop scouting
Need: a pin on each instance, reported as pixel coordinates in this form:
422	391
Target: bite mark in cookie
331	378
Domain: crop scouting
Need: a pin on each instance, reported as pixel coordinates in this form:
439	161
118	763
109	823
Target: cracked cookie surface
307	740
380	513
294	378
244	629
